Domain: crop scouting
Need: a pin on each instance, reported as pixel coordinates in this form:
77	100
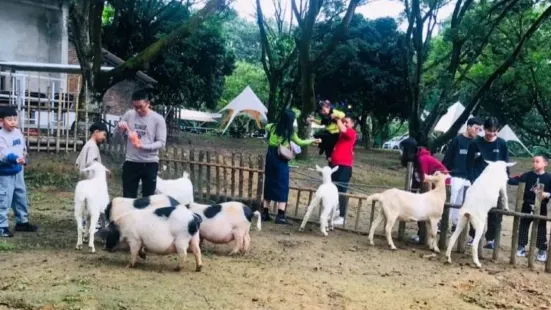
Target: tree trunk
272	95
308	100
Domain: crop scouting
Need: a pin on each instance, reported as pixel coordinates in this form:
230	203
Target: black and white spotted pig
156	223
226	222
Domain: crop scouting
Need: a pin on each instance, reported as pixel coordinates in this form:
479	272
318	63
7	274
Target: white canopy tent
507	134
198	116
247	103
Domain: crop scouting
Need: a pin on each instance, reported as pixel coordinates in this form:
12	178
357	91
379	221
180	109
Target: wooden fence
219	176
49	114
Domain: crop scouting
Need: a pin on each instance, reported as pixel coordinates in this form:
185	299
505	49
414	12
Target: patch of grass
6	246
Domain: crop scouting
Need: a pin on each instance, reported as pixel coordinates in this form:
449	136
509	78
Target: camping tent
246	103
507	134
453	113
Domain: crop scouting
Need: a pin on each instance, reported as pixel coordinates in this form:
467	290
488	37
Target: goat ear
334	169
511	164
318	168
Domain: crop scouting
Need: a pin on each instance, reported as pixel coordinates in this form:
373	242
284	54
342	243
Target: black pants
342	177
493	221
524	227
133	172
328	141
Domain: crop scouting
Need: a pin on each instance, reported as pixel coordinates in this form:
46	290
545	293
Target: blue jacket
9	165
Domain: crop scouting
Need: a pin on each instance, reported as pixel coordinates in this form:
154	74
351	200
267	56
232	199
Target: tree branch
136	63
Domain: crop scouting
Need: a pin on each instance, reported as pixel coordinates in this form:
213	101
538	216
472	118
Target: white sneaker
541	256
415	238
338	221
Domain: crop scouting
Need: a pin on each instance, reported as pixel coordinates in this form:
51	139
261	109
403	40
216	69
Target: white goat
180	189
161	230
408	206
328	196
479	199
91	199
225	222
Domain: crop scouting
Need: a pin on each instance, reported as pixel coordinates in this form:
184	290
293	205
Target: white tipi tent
507	134
453	113
246	103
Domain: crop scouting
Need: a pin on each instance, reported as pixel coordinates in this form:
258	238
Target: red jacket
428	164
343	153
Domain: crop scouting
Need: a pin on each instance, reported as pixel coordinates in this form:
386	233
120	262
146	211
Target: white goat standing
479	199
180	189
328	196
407	206
91	199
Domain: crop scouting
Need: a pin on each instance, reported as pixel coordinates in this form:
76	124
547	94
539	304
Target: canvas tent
507	134
247	103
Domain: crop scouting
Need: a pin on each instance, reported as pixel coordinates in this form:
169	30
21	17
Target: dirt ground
284	269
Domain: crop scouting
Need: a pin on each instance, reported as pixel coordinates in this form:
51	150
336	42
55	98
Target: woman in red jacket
423	164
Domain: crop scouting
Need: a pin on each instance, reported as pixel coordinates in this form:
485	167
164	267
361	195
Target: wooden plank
534	229
49	132
407	187
241	176
298	202
200	176
58	129
497	239
232	193
38	111
76	113
66	123
208	175
444	223
225	169
516	223
218	185
347	201
251	177
260	180
192	171
462	240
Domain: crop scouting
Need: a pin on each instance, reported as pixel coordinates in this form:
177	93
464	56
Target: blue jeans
13	193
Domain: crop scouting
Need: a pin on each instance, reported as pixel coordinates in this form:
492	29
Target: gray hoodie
151	130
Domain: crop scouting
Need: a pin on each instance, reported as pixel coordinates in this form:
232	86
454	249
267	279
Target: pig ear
318	168
511	164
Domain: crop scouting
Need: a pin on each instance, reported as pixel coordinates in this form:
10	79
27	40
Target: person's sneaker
415	238
541	256
489	245
338	221
27	227
281	219
521	251
5	233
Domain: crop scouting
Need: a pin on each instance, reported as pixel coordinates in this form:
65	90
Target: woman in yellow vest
276	181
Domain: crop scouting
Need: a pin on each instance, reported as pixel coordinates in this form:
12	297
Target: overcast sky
374	9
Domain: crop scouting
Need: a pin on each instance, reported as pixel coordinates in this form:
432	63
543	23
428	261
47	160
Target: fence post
241	181
298	202
402	225
444	222
497	240
516	223
200	175
535	224
232	175
251	177
358	210
208	175
217	161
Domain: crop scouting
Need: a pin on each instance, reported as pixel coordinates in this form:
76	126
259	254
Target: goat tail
258	220
374	197
186	175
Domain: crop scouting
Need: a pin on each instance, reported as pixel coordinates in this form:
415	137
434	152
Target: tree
245	74
306	17
278	57
243	38
190	72
86	18
465	44
367	73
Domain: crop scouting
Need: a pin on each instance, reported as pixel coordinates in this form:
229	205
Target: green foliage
242	38
7	246
108	15
190	72
245	74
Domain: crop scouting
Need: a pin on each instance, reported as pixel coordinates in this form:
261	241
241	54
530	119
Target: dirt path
284	270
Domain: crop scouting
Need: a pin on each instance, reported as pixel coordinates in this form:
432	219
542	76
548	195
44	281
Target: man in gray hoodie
142	153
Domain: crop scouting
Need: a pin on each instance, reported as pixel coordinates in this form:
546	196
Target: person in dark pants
482	149
531	180
330	135
343	156
423	164
146	136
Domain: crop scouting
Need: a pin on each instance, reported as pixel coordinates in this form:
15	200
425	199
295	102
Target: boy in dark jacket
532	179
456	162
490	148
